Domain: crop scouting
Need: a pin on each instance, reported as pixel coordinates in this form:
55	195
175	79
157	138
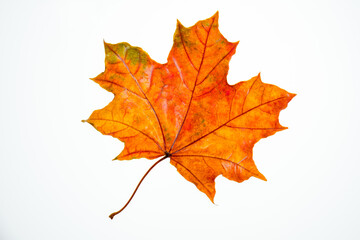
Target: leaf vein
193	90
224	124
138	84
219	158
192	174
104	80
183	44
111	120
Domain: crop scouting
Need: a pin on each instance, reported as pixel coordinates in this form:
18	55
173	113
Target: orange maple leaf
185	110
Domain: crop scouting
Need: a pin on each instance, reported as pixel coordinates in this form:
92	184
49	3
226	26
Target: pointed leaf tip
178	23
216	15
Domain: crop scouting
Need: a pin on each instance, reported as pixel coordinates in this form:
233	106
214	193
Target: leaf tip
211	195
83	121
118	158
290	96
106	45
263	178
178	23
215	18
260	176
216	15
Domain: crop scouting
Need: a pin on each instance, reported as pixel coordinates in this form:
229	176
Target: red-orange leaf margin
185	110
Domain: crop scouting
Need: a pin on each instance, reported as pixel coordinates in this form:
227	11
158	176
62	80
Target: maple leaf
185	110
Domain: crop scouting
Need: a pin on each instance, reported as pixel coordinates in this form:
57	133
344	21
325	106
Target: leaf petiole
137	187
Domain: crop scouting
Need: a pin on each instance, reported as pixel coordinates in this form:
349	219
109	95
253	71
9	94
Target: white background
57	180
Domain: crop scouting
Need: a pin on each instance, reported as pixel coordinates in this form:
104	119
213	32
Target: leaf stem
137	187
